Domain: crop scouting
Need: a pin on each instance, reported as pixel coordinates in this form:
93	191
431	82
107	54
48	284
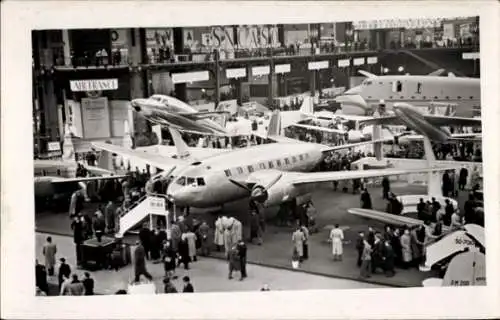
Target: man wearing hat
64	271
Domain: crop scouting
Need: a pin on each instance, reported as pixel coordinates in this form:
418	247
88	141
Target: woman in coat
190	238
337	236
184	254
176	234
169	259
407	254
298	239
219	234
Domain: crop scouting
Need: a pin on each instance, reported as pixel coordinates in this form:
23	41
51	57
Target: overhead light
386	70
401	69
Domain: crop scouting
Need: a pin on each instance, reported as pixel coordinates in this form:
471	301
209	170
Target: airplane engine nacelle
278	191
355	136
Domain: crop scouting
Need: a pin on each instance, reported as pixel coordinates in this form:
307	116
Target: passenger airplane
269	174
415	89
55	179
168	111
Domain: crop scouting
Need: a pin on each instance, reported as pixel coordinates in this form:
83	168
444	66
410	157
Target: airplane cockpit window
190	181
156	98
181	181
271	165
227	172
367	82
200	181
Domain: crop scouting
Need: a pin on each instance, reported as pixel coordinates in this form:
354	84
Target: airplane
430	128
56	179
168	111
419	90
268	174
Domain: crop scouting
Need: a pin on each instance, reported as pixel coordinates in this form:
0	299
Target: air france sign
93	85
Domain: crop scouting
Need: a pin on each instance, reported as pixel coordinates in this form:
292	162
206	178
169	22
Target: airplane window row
189	181
48	173
270	165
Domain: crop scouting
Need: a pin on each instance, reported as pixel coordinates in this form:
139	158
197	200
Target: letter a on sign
188	38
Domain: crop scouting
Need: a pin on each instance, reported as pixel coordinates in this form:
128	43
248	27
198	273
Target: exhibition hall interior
232	158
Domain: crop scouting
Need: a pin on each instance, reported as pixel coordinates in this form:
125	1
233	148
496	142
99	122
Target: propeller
257	192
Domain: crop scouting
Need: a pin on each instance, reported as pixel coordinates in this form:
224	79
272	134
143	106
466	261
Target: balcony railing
116	60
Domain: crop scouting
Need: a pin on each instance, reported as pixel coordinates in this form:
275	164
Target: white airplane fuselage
167	111
47	170
216	188
420	91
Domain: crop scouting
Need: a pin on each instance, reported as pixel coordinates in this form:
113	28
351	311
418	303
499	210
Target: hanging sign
371	60
93	85
318	65
344	63
236	73
359	61
261	71
186	77
282	68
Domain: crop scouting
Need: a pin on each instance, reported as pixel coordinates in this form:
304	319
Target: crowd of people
69	283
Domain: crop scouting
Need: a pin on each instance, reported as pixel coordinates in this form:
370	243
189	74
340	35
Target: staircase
147	206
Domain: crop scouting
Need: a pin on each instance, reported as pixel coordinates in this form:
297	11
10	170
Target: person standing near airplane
49	252
337	236
386	188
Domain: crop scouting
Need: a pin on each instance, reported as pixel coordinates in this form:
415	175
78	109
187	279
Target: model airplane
417	90
269	174
168	111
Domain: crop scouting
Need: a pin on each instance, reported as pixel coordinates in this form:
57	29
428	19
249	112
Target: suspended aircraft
418	90
169	111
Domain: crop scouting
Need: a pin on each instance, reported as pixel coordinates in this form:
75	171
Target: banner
95	113
253	37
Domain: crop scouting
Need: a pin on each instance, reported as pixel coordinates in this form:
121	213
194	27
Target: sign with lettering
371	60
397	23
93	85
188	37
53	146
343	63
236	73
157	205
282	68
359	61
253	37
318	65
157	38
466	269
187	77
95	113
261	71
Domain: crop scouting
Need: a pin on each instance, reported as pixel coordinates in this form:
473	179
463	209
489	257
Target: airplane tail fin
274	128
180	145
434	183
307	107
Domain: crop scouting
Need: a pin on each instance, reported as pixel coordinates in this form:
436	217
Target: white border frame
17	234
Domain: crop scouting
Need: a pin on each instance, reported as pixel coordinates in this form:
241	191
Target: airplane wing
386	120
59	180
316	177
388	218
154	160
354	145
455	137
202	115
171	151
452	121
329	130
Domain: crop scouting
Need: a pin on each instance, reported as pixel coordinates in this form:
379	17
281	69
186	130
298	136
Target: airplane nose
136	105
353	90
